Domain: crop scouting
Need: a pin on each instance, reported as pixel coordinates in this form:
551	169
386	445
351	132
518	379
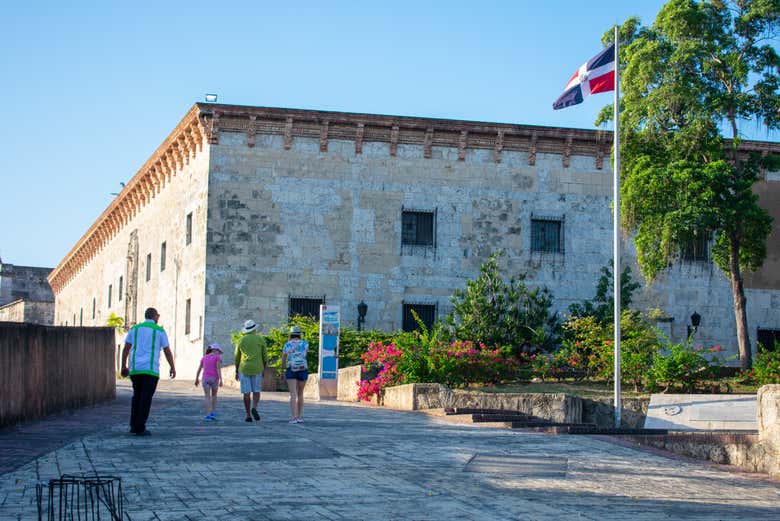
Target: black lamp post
362	309
695	321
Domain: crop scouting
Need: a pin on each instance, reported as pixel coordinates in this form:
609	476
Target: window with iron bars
547	235
768	339
696	249
426	312
418	228
305	306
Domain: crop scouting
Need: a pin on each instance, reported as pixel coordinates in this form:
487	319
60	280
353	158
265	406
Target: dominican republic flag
597	75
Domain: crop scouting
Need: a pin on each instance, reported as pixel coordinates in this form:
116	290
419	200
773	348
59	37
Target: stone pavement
355	462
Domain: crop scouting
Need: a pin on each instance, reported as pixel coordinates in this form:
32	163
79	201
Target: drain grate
518	465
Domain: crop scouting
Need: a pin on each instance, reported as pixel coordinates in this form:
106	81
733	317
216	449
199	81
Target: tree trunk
740	306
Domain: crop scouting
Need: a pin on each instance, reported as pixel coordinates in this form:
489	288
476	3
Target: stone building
251	212
25	294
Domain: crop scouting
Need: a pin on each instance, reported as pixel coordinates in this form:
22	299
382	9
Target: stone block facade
28	311
319	205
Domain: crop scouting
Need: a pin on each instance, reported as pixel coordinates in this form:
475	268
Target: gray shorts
250	383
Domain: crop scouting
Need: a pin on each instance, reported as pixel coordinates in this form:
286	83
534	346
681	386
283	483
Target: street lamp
362	309
695	321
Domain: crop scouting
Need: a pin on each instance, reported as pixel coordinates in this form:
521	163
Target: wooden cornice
178	149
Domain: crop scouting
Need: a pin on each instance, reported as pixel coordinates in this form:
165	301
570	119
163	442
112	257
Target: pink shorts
210	383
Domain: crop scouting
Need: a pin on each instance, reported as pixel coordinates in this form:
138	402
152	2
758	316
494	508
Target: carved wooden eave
176	151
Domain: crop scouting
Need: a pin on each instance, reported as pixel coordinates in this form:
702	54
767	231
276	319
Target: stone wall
768	412
64	367
24	283
163	219
28	311
289	219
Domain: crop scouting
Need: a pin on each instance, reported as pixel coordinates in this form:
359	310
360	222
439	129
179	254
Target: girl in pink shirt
210	364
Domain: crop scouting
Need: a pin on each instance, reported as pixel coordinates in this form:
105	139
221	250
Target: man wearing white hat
251	360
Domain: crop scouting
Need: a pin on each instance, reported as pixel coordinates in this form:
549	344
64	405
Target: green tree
115	321
701	67
602	305
504	313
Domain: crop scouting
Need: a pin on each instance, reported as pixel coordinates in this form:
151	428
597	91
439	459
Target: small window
74	319
305	307
81	316
109	295
162	256
696	249
547	235
148	267
188	229
187	311
426	312
768	340
94	302
417	228
119	296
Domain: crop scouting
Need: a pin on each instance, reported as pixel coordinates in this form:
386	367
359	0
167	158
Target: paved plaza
357	462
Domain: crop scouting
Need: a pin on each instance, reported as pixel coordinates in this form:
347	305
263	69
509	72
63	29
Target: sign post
329	350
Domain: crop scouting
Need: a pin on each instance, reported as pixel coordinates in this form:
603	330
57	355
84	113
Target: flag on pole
594	76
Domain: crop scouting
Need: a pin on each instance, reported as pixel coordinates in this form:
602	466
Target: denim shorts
250	383
296	375
211	383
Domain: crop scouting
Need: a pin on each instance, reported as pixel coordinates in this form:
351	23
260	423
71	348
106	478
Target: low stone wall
741	450
349	377
602	412
768	416
270	378
45	369
554	407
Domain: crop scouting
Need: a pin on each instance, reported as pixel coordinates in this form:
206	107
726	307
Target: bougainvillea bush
384	358
454	364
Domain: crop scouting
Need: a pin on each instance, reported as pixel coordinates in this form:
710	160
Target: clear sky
92	88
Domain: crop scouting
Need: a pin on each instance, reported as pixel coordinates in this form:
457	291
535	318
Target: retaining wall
45	369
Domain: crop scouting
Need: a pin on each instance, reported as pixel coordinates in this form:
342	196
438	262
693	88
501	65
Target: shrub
385	358
493	312
766	368
589	349
683	366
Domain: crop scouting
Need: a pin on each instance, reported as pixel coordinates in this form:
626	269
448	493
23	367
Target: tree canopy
701	70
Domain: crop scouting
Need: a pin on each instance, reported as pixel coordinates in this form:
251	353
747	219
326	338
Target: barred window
417	228
426	312
547	235
109	295
119	296
305	307
148	267
768	339
163	248
696	249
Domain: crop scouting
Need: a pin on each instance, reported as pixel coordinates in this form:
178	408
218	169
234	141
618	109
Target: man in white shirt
143	344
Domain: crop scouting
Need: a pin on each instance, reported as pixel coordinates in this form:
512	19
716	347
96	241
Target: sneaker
208	418
248	419
213	415
299	420
255	414
293	421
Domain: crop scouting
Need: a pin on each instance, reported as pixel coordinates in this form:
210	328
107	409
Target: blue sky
92	88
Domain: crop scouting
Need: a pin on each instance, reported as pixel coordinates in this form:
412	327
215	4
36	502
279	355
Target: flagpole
616	272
